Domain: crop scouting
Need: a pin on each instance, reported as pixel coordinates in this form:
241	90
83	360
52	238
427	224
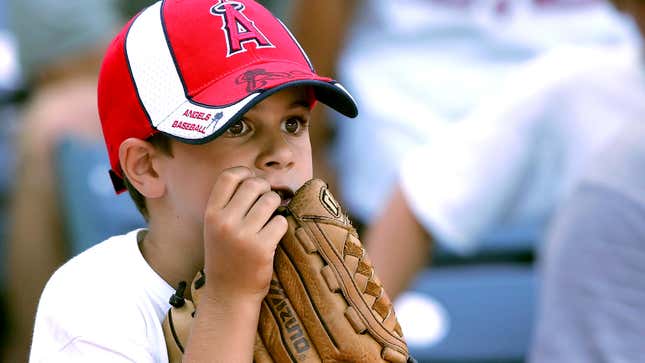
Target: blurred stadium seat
470	313
477	308
507	244
474	308
92	210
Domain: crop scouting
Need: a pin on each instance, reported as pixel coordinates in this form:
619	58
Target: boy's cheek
306	175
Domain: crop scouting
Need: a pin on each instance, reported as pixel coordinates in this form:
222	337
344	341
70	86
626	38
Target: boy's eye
293	125
237	129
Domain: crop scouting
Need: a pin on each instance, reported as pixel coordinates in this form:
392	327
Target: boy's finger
226	184
262	209
274	230
246	195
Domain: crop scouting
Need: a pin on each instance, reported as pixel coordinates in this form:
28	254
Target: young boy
205	106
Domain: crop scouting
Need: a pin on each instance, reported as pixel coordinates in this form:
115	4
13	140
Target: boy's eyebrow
296	104
302	103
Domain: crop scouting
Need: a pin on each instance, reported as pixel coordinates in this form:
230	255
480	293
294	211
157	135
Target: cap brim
331	93
216	107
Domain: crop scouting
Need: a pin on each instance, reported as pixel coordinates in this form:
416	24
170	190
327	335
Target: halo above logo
220	8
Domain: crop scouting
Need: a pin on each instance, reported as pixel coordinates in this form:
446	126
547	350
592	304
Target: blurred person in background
450	85
510	163
60	45
10	94
592	294
420	64
592	263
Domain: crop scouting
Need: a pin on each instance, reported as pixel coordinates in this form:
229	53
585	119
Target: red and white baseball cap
191	68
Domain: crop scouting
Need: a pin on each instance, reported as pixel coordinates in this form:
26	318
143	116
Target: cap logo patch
259	77
238	28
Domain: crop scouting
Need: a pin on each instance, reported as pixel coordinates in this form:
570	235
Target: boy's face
272	139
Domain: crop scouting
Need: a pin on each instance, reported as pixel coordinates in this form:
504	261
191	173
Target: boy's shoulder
98	264
107	296
110	275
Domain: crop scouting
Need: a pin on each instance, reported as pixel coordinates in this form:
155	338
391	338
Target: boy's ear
137	162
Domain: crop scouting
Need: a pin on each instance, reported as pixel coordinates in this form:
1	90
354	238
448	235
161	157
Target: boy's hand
240	236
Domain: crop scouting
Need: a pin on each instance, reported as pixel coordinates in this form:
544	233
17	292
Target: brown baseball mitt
325	303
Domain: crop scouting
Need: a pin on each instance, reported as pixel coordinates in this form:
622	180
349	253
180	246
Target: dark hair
160	142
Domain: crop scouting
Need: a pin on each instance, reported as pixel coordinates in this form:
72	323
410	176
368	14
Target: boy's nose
277	153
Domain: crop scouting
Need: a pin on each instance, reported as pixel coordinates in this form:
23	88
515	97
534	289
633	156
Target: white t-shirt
510	163
104	305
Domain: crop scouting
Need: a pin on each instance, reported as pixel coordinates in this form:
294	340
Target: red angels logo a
238	29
